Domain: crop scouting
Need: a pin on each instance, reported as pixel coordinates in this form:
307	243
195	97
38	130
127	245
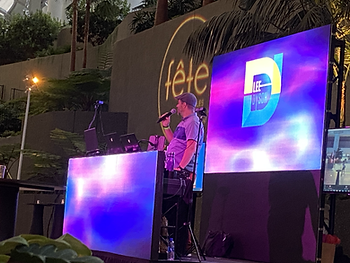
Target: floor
194	258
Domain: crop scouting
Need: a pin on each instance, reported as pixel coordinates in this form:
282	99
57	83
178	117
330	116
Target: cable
51	216
101	123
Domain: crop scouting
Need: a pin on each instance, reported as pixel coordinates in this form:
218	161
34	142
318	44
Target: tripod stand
195	246
182	229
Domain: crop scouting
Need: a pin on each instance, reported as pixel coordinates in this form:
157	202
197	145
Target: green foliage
50	168
7	245
254	21
47	168
10	113
144	19
105	15
9	154
77	92
181	7
76	245
22	36
39	249
73	144
145	4
53	51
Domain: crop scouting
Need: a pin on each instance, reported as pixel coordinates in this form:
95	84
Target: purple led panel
110	202
267	105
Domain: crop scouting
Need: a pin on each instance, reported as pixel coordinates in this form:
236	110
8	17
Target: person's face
180	106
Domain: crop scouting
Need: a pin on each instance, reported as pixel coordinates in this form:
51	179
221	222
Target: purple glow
110	202
291	139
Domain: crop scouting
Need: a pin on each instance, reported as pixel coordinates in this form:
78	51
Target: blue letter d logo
262	88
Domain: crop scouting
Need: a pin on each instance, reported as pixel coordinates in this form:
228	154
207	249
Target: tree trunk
86	31
207	2
161	12
74	35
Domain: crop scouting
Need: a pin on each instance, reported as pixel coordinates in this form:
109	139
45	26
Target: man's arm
189	152
169	135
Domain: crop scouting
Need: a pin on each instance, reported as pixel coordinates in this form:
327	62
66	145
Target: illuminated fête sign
267	105
178	73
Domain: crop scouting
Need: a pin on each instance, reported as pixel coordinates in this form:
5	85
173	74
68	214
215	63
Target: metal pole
23	135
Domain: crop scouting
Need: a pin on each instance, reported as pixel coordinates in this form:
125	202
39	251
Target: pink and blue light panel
267	105
110	202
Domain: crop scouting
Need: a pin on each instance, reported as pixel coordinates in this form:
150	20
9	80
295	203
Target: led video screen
267	105
337	170
110	202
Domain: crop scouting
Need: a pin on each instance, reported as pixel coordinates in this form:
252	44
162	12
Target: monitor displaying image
267	105
337	170
198	183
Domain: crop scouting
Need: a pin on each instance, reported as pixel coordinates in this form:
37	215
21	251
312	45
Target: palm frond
258	21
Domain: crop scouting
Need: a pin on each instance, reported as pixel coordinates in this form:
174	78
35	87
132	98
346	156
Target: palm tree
254	21
86	31
74	35
161	12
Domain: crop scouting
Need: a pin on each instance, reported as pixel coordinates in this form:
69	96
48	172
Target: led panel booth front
267	105
112	203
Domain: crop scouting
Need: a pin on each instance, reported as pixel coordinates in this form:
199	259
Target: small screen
337	170
198	183
267	105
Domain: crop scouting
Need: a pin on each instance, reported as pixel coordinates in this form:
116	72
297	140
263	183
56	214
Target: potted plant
39	249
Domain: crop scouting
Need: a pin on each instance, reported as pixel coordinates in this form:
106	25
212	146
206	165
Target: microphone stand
199	251
97	105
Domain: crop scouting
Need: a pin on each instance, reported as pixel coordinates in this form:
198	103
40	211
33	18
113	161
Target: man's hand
166	121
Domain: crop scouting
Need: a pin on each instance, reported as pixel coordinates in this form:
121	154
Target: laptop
91	142
130	143
114	145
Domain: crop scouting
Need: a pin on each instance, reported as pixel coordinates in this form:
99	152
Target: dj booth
114	203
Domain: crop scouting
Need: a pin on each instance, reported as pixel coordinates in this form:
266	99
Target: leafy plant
10	114
51	168
79	91
144	17
22	36
105	15
145	4
9	153
254	21
142	20
40	249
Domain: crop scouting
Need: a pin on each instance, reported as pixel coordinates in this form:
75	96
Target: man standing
183	142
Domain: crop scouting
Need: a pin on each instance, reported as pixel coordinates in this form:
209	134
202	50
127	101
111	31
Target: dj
183	142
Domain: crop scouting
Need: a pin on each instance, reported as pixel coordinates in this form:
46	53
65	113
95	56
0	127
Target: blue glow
110	202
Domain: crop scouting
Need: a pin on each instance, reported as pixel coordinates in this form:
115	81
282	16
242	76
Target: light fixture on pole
29	86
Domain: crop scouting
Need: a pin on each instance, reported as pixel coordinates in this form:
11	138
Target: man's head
186	103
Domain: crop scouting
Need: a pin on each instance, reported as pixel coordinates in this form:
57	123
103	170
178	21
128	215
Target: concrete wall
148	60
40	126
57	66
